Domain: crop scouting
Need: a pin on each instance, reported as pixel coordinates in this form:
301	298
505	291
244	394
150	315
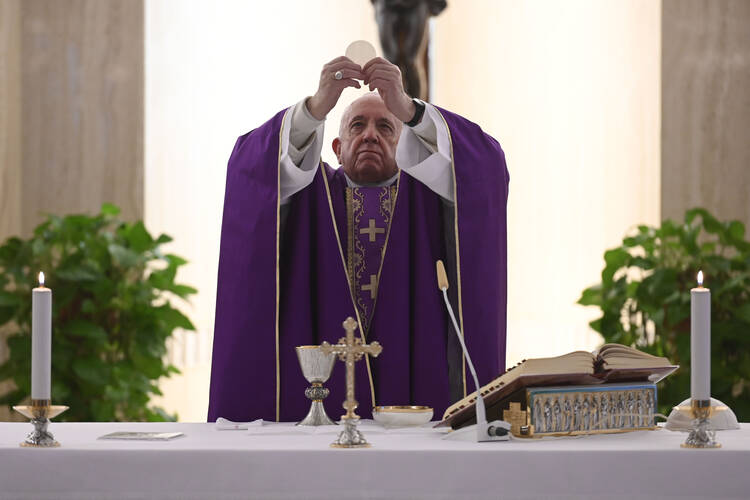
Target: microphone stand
497	430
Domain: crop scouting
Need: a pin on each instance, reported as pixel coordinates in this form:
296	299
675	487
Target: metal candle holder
701	435
40	412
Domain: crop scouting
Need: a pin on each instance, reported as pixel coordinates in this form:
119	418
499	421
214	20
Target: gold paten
403	409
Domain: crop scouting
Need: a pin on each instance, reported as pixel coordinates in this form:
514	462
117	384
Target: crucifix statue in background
404	38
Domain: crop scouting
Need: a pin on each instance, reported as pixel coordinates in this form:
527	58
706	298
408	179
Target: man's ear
336	145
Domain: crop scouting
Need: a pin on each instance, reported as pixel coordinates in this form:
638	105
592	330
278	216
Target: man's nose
370	134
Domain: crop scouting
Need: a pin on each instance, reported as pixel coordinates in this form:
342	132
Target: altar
277	460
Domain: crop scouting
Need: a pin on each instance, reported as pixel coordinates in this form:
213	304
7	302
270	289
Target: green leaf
90	369
736	230
8	299
642	262
122	256
182	291
151	367
743	312
6	314
173	318
175	260
591	296
110	209
138	238
77	273
86	329
615	258
163	238
596	325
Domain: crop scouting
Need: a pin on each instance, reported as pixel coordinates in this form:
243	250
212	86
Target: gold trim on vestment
350	237
278	257
458	255
348	281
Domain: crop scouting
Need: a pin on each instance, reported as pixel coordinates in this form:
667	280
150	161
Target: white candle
700	341
41	341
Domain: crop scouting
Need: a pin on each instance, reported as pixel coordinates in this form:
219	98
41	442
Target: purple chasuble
280	289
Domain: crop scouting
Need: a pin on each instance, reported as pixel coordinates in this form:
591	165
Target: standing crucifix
350	350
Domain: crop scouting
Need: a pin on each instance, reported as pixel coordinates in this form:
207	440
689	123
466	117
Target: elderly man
304	246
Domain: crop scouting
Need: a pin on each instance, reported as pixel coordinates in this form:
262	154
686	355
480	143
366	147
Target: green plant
111	317
644	297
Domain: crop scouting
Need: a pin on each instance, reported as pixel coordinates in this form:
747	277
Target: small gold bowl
402	416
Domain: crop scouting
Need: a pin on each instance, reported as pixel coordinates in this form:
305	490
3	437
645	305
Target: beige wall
10	143
571	91
82	112
706	108
10	118
71	109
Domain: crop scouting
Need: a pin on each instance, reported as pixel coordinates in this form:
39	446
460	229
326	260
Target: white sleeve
301	144
424	153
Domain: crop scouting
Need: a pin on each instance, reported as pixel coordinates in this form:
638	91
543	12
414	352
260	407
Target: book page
620	356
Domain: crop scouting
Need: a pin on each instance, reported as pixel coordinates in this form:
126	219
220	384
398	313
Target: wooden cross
372	287
351	350
371	231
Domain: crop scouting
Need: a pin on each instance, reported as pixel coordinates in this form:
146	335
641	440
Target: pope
305	245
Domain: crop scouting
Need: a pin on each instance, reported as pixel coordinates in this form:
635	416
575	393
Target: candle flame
41	278
700	278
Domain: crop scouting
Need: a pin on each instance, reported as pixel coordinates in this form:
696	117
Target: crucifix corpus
350	350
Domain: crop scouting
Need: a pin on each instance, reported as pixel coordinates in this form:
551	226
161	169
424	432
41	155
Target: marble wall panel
10	118
706	107
10	145
82	113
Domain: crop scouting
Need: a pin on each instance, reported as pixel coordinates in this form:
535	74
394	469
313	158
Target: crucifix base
350	437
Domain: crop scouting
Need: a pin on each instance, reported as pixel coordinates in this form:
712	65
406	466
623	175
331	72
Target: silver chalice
316	367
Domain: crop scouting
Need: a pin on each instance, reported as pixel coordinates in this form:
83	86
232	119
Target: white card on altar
143	436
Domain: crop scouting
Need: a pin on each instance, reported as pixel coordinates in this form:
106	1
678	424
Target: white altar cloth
278	461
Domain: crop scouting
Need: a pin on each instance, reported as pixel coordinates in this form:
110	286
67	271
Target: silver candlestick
39	412
701	435
316	367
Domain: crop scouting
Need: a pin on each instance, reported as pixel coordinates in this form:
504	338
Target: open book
611	363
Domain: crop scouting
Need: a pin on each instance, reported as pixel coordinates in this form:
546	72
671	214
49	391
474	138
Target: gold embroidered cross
372	287
371	231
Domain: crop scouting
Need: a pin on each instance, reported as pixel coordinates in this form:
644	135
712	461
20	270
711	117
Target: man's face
366	146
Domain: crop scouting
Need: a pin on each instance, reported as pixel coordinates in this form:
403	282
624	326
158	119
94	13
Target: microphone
497	430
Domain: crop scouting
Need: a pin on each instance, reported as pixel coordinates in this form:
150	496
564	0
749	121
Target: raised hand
330	89
385	77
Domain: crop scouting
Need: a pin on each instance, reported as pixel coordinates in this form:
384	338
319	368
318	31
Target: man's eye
386	127
356	124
